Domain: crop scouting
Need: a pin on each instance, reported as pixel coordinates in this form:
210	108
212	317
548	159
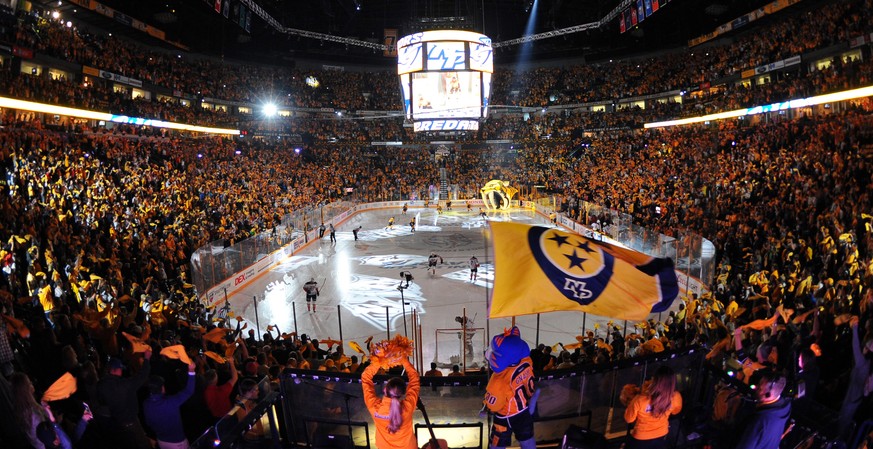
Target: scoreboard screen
445	79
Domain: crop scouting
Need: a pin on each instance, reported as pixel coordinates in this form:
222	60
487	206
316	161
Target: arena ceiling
197	25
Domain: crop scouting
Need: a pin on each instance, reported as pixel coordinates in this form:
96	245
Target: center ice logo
576	266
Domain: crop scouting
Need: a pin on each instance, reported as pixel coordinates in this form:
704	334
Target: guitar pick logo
576	266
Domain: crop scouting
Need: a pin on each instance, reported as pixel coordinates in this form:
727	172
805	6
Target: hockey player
432	262
390	223
474	268
312	292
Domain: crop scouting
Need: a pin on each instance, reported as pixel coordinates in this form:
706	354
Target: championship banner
390	41
539	269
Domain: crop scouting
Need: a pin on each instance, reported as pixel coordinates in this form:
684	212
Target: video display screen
446	94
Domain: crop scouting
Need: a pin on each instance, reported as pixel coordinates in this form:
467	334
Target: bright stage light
529	5
791	104
269	109
22	105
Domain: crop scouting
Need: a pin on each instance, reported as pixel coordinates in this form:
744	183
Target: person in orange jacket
650	410
392	413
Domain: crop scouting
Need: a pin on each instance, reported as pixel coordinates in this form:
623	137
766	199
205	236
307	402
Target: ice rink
359	282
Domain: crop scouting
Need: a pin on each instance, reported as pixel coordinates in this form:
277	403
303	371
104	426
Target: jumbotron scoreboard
445	79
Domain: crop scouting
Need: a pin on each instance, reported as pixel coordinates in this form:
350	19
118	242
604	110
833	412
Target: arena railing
221	262
263	418
324	406
320	409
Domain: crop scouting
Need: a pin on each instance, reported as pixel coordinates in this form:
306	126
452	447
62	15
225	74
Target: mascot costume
510	395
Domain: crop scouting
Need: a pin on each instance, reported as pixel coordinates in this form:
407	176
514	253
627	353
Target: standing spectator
29	414
312	292
162	411
6	354
392	413
353	364
118	396
861	370
566	361
764	428
217	397
456	371
10	430
433	371
650	410
809	374
247	400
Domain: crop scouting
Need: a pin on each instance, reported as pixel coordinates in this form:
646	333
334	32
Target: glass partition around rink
691	253
218	260
322	408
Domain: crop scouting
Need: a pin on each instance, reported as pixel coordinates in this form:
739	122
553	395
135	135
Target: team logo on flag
578	268
540	270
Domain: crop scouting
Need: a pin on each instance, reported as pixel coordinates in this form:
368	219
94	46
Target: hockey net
449	347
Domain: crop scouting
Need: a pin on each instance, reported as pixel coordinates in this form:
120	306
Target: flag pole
464	340
487	296
294	313
538	330
387	323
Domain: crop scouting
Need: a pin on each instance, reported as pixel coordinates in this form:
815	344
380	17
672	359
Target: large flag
539	269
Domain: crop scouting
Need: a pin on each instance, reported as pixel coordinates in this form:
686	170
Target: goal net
450	348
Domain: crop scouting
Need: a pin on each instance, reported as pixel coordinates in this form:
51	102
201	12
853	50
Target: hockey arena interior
436	223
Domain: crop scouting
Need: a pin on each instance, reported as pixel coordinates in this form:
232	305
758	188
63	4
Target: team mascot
510	395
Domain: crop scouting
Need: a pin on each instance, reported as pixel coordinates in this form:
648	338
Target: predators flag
539	269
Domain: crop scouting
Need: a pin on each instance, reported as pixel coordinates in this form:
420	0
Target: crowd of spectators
98	225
